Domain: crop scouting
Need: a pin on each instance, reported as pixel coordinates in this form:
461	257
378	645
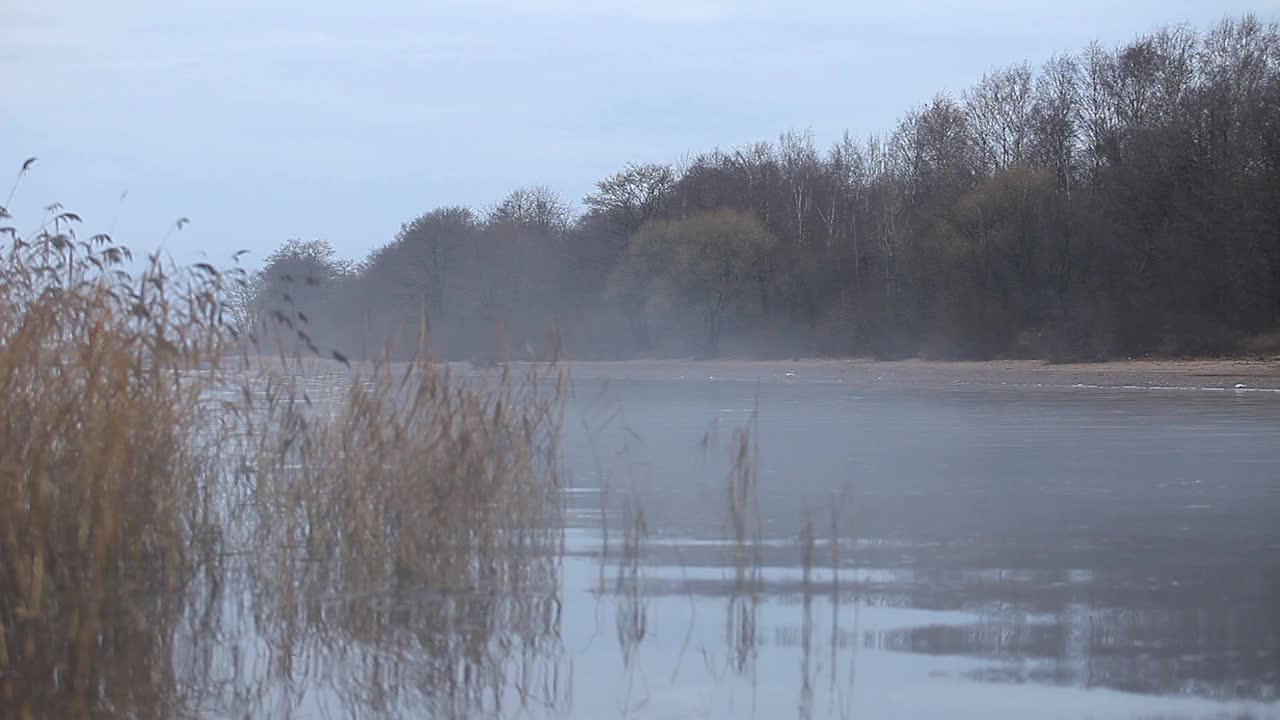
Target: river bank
1210	374
1222	374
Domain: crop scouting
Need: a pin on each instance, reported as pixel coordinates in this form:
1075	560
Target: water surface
971	551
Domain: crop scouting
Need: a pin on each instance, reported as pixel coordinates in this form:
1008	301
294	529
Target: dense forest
1113	202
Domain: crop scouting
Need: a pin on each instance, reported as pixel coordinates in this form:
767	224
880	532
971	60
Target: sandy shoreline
1216	373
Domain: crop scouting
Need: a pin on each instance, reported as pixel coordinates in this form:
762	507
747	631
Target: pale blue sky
267	120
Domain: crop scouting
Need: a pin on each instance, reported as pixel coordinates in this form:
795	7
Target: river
967	551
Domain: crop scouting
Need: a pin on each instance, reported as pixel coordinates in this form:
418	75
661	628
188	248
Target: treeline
1113	202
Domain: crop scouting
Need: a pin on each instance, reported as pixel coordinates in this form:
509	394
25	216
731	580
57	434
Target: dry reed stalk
101	491
142	473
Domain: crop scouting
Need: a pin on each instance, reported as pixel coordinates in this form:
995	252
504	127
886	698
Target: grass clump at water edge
151	476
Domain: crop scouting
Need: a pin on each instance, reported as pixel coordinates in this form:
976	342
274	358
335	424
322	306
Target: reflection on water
859	552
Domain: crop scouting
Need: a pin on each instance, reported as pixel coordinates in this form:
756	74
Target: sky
264	121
